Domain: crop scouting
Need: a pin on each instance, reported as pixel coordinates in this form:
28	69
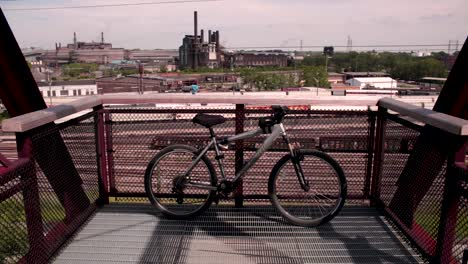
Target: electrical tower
349	45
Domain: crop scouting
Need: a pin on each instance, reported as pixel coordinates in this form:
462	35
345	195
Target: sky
243	23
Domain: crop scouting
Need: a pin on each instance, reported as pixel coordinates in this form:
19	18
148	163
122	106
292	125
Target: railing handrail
35	119
448	123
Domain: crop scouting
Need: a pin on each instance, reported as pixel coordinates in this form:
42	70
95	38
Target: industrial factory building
103	53
255	59
196	52
86	52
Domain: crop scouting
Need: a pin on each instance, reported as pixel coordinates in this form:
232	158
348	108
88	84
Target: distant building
255	59
67	88
86	52
150	83
373	82
336	78
421	53
350	75
196	52
152	56
432	83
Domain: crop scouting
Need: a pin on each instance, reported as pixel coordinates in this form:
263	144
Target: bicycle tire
165	200
290	202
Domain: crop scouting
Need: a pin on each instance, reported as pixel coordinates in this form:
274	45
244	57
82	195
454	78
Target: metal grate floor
129	233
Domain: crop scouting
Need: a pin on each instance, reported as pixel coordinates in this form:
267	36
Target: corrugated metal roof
434	79
374	79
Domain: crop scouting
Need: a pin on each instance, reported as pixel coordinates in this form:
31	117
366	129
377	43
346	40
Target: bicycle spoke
308	207
176	193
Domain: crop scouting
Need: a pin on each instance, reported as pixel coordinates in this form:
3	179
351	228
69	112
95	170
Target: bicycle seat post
212	133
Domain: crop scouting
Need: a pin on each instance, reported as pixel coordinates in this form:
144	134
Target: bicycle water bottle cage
266	123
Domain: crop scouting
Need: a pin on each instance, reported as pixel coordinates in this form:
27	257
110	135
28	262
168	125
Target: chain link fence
418	190
49	192
136	135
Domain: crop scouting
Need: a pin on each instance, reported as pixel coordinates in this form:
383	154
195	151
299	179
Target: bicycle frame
277	131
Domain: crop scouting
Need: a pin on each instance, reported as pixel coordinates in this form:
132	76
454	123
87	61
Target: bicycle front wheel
321	202
174	194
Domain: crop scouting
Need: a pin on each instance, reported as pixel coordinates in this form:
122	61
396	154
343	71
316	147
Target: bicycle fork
296	159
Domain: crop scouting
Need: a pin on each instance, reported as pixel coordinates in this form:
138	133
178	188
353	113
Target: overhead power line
342	46
108	5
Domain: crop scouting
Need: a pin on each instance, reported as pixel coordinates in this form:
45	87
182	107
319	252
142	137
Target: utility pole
349	45
140	79
49	80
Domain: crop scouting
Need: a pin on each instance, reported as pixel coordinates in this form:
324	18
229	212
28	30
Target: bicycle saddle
208	120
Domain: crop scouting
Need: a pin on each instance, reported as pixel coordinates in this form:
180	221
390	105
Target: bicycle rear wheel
170	191
321	202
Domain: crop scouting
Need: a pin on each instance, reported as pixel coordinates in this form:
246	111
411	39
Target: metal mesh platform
254	234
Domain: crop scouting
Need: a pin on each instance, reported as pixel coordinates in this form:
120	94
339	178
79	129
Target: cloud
436	17
245	22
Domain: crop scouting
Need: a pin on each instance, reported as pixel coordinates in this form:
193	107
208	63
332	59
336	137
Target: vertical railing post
101	155
449	208
378	155
239	155
110	152
32	204
370	153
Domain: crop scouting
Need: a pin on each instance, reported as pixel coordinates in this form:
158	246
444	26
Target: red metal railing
41	204
110	148
421	186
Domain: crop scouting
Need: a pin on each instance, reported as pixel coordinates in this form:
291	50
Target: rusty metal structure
196	52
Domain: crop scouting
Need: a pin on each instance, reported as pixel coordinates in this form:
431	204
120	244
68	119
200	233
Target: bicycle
181	181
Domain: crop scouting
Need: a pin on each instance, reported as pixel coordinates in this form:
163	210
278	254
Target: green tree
75	70
315	76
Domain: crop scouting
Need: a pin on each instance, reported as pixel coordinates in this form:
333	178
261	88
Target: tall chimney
209	36
217	40
195	40
56	46
202	36
102	37
74	41
195	24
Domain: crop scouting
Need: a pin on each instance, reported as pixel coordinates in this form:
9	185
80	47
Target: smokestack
102	37
195	24
74	40
209	36
56	46
202	36
217	40
195	40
